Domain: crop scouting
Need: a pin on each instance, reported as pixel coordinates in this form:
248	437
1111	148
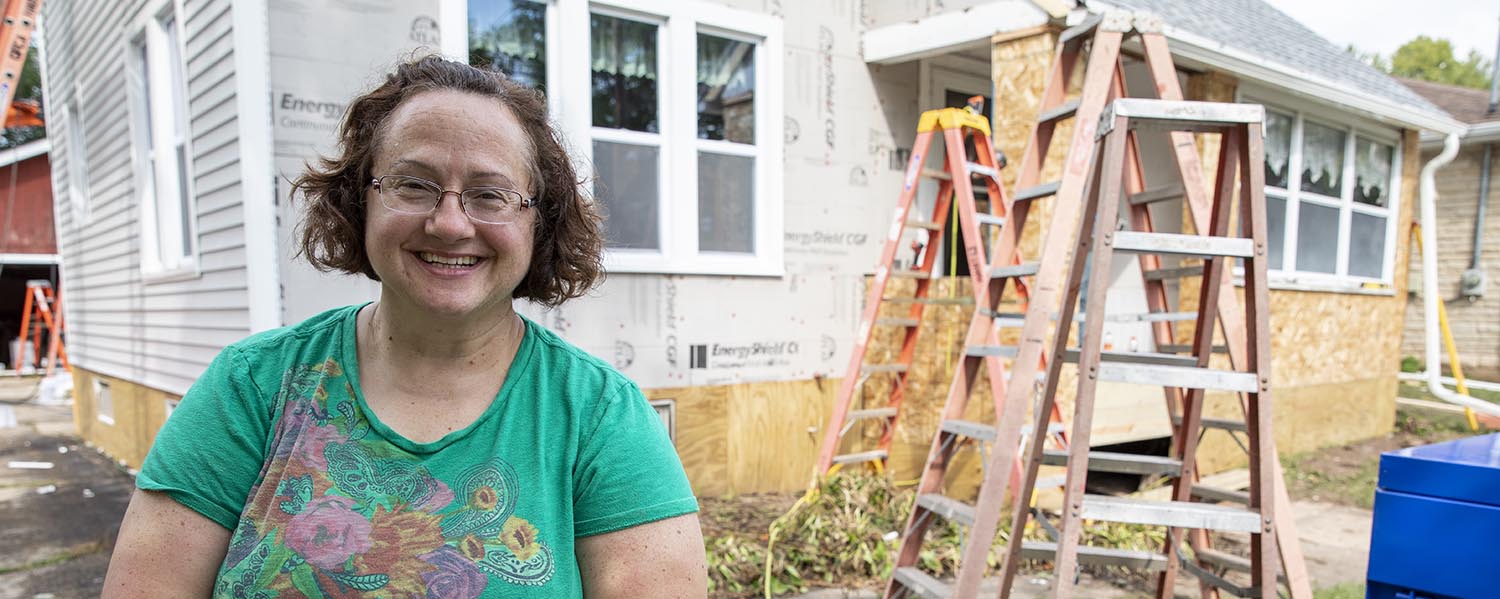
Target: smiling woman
432	443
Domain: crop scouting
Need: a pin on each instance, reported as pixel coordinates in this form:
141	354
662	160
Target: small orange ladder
43	310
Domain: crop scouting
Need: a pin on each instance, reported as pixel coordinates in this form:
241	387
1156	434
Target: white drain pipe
1427	200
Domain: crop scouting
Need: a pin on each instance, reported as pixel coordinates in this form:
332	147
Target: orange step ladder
41	314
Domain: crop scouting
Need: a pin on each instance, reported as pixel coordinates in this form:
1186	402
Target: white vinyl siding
157	332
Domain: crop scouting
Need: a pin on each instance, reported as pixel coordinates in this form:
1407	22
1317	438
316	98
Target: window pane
510	36
1317	238
624	73
184	201
1322	160
1278	148
1367	246
1372	172
726	89
627	187
1275	232
726	203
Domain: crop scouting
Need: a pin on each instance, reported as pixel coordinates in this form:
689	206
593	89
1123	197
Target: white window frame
78	157
160	132
104	402
1287	275
679	22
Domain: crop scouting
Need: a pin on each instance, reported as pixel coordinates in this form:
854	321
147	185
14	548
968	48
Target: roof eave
25	151
1486	132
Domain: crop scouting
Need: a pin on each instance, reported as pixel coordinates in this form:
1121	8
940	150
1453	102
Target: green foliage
1430	59
1410	364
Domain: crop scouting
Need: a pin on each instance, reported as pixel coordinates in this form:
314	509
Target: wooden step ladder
957	127
1103	35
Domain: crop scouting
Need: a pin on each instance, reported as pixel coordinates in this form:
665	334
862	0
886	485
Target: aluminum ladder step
1060	112
949	508
1080	30
1177	244
1229	561
870	413
986	218
1218	424
897	322
904	273
877	368
1015	270
861	457
1037	191
1099	556
1180	115
924	224
1215	494
972	430
931	301
1175	514
922	583
1122	463
990	351
1070	356
1183	377
1183	349
1167	274
975	168
1157	194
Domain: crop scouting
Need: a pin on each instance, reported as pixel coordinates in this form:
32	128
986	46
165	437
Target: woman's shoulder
557	359
319	332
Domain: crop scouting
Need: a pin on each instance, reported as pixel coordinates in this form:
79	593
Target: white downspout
1427	199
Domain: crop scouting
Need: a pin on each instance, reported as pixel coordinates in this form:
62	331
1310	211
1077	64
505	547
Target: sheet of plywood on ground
702	422
774	431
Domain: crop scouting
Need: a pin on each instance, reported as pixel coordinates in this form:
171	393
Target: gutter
1427	200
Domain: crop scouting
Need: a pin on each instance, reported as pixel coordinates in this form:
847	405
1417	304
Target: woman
432	443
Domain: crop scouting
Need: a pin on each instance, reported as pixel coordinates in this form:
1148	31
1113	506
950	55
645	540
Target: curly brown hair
565	261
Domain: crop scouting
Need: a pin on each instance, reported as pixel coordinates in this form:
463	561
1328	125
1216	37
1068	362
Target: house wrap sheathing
741	249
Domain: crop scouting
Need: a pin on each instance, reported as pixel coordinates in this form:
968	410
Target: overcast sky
1383	25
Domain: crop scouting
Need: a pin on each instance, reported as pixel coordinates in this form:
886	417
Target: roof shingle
1465	104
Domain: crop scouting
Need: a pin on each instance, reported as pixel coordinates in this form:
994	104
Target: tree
1432	60
29	88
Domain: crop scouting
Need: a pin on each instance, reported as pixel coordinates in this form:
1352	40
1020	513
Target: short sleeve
627	473
209	453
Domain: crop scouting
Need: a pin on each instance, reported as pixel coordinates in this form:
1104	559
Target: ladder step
972	430
979	169
1164	274
1173	514
1229	561
1218	423
1015	270
905	273
1123	463
1157	194
922	583
931	301
986	218
1070	356
1180	115
858	458
1082	29
1178	376
1174	348
1037	191
936	174
871	413
1061	111
986	351
1183	245
949	508
876	368
1146	317
924	224
897	322
1100	556
1215	494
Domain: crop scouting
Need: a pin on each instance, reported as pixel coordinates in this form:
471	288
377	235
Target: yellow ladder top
952	118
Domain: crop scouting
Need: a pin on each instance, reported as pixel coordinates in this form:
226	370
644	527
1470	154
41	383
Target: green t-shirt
276	443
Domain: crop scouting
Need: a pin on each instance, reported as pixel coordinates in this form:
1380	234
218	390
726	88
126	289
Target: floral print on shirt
339	514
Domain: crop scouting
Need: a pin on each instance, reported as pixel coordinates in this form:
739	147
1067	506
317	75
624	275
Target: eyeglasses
414	195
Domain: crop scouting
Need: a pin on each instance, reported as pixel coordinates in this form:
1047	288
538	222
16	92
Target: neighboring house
1473	308
28	246
749	152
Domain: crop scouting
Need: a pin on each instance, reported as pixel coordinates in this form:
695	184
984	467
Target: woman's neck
418	340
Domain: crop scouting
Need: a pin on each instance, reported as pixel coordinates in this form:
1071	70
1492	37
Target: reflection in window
624	83
510	36
1318	238
1278	148
1322	159
627	186
1372	172
1367	246
726	89
726	203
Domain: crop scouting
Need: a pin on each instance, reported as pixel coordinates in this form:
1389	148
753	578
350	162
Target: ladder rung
1175	348
1180	115
987	351
1146	317
1218	423
1221	495
972	430
1070	356
1157	194
1183	245
878	368
906	273
1163	274
936	174
931	301
986	218
897	322
1081	29
871	413
922	583
1060	112
1123	463
979	169
1099	556
1178	376
856	458
1015	270
1037	191
924	224
1175	514
1228	561
949	508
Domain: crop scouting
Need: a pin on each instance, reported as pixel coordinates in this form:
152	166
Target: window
1330	200
104	402
666	409
673	106
163	170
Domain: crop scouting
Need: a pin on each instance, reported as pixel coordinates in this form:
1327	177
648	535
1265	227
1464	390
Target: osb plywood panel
1019	67
774	432
1207	87
702	435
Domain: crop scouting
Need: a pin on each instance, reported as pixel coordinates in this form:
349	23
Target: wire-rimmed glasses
415	195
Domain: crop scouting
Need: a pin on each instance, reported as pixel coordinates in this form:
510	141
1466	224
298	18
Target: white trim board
24	152
949	31
252	70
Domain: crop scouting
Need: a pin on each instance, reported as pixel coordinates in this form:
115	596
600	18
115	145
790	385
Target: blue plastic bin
1436	533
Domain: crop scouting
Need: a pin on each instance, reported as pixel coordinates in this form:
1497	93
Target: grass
1348	590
